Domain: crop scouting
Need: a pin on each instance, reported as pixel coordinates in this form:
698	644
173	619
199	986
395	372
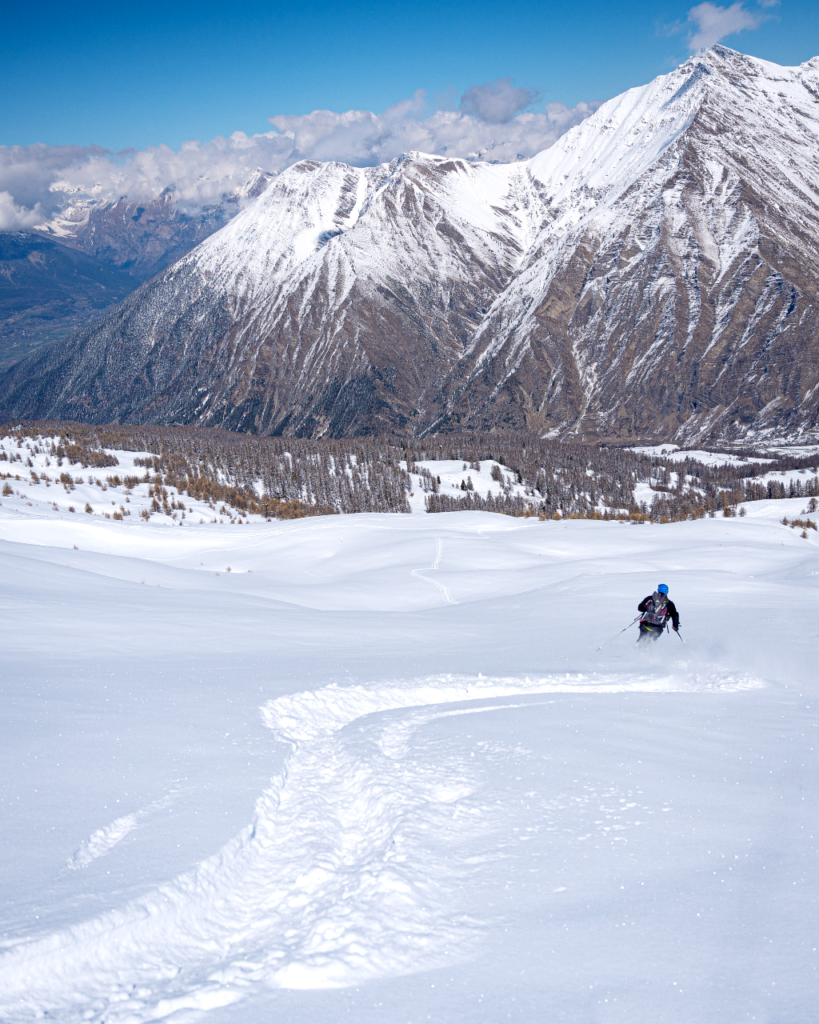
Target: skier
656	610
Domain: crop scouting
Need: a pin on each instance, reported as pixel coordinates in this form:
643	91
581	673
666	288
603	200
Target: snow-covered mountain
145	236
652	275
120	241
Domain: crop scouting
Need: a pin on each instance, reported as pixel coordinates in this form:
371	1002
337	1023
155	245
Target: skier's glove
676	629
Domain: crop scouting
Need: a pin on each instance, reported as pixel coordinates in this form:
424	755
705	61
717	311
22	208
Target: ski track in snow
417	572
334	882
104	839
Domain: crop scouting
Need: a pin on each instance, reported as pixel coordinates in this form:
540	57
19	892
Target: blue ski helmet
662	588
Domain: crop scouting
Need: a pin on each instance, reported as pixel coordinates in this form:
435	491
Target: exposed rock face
652	275
675	292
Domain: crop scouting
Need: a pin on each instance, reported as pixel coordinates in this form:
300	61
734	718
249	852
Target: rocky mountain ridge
144	237
652	275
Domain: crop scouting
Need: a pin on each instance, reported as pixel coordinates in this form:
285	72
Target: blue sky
136	75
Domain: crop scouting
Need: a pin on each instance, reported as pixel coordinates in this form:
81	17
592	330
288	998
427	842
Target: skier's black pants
649	632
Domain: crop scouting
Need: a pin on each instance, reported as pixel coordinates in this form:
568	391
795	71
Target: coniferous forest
291	477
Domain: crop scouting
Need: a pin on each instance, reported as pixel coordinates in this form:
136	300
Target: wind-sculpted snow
334	882
650	276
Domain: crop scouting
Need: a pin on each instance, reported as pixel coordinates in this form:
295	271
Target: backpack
657	610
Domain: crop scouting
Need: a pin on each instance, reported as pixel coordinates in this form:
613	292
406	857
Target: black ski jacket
673	614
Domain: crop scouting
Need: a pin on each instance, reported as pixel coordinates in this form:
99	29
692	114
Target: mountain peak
653	274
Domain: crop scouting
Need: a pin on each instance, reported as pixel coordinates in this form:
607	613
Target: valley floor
379	771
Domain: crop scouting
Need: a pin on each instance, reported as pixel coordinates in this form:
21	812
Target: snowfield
677	454
451	475
375	768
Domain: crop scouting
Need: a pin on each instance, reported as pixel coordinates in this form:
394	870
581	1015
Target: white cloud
16	218
487	126
38	182
45	179
712	23
496	102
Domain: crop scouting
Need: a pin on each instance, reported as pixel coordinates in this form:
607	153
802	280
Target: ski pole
679	634
618	634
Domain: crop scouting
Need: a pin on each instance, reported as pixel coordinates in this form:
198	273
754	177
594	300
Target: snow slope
452	474
36	485
381	771
676	454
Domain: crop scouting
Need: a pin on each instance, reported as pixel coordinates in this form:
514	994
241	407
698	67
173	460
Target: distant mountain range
144	238
654	274
45	275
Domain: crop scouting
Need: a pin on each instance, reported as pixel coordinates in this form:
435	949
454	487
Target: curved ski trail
334	882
